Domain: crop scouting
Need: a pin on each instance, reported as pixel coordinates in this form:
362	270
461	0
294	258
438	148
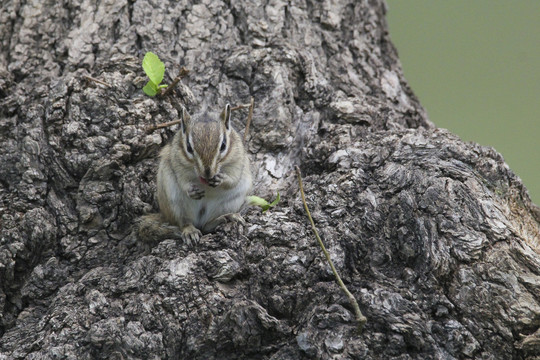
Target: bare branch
168	89
360	318
151	128
250	116
89	78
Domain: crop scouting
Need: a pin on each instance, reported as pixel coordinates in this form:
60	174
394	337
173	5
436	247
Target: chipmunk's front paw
191	235
216	180
195	192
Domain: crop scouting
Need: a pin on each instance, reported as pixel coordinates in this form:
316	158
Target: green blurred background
475	66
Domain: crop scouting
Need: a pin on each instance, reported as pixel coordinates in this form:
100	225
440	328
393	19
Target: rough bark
436	238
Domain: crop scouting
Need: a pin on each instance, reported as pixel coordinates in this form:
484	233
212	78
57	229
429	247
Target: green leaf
274	203
262	203
153	67
150	89
257	201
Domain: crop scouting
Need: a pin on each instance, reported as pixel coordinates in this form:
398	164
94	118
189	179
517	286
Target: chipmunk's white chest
216	202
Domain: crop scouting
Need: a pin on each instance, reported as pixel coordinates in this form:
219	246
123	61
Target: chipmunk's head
206	141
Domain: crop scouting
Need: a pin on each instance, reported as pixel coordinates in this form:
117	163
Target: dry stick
168	89
97	81
151	128
240	107
250	116
360	318
183	72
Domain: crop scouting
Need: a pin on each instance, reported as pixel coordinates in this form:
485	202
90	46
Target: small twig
97	81
251	105
360	318
250	116
168	89
240	107
151	128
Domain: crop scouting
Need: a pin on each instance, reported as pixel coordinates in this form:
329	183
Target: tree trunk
436	238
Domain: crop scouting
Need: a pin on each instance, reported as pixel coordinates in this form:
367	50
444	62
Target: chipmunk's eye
223	144
188	146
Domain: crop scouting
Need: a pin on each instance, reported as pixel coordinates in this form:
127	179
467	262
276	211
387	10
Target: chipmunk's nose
207	173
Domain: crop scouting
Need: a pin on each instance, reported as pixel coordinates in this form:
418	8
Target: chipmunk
203	176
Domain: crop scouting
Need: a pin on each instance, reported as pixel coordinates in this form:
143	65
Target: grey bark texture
436	238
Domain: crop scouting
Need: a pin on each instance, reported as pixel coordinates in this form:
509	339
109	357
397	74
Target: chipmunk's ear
185	118
226	116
